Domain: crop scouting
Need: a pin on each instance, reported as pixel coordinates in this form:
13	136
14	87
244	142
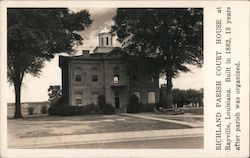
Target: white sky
36	89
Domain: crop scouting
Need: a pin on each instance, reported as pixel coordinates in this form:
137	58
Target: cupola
105	38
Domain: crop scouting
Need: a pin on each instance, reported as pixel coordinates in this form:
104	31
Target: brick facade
105	71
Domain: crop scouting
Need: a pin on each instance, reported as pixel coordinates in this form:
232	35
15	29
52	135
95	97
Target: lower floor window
138	95
151	97
78	99
95	98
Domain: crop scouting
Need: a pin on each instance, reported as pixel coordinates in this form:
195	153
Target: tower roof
105	30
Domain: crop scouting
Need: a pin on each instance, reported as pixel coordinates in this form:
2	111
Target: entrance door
117	100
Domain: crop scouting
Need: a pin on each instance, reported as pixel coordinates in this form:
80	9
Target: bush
44	109
101	101
31	110
108	109
134	106
61	109
93	109
146	107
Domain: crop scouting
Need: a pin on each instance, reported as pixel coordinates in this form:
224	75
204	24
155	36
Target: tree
37	35
172	37
185	97
55	93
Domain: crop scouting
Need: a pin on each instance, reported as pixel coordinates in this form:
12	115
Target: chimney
85	53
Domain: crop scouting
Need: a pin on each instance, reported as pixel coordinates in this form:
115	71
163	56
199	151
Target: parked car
174	111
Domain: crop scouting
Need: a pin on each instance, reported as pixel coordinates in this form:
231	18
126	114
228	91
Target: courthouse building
105	71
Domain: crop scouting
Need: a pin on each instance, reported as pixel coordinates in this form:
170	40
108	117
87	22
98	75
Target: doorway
117	100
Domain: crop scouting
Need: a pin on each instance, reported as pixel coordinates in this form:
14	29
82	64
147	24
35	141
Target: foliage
105	108
54	92
162	103
108	109
172	37
185	97
44	109
146	107
36	35
31	110
134	105
101	101
60	108
57	106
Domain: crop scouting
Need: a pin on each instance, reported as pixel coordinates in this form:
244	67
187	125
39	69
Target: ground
146	130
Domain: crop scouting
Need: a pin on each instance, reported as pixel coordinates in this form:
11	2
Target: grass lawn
74	125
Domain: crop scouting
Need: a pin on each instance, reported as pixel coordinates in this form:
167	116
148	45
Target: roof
105	30
103	49
111	53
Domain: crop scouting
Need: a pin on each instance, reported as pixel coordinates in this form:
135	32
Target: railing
117	83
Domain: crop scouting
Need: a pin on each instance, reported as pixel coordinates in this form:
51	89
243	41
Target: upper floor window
78	75
94	75
116	75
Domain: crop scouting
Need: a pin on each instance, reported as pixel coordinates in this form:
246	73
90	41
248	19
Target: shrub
67	110
59	108
146	107
108	109
93	109
101	101
134	106
44	109
31	110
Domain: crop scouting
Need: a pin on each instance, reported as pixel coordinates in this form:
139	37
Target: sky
36	89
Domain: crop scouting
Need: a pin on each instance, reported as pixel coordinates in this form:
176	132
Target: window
138	94
78	75
151	97
116	75
94	75
78	78
116	79
78	99
102	41
95	97
94	78
107	41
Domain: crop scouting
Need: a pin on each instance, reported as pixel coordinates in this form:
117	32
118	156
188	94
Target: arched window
107	41
116	75
78	75
94	75
102	41
138	94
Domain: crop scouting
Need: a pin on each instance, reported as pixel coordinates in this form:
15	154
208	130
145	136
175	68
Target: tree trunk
18	113
169	90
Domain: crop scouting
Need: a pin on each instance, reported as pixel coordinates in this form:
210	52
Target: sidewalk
145	116
40	142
